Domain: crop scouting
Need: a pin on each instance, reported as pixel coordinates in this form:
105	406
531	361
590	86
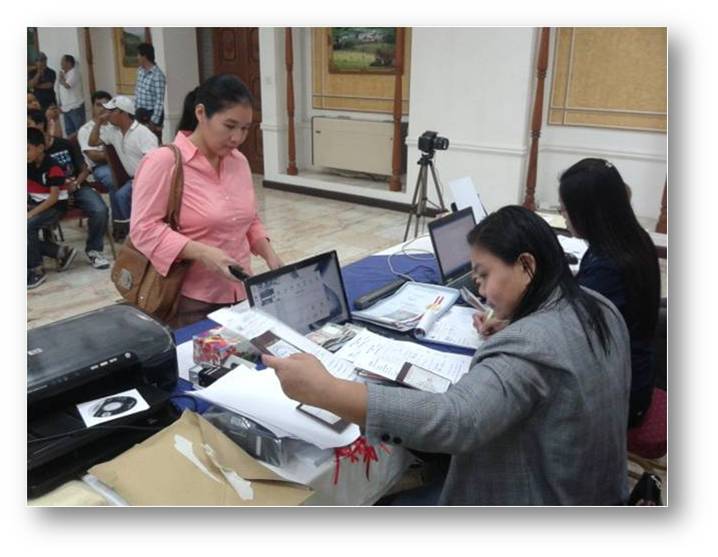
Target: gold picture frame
362	50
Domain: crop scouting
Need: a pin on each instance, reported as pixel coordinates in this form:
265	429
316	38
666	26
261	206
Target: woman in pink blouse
219	225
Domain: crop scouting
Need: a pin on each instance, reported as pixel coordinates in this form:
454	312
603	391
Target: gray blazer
540	419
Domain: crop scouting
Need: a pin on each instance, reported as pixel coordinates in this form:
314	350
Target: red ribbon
358	449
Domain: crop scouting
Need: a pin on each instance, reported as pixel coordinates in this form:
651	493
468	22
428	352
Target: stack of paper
259	396
414	305
455	328
387	357
254	324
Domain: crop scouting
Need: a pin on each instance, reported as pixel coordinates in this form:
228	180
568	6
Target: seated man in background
95	157
46	203
32	102
131	140
69	158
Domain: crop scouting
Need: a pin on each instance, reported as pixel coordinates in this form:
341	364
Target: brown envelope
191	462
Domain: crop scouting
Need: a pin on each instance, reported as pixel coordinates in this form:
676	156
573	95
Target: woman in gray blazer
540	419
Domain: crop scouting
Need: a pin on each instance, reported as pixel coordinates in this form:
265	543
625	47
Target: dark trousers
190	311
97	213
36	247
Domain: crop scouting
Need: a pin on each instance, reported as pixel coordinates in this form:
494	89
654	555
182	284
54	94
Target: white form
386	357
456	328
465	195
251	323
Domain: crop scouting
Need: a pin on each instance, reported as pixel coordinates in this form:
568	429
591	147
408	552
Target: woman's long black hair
216	94
597	202
514	230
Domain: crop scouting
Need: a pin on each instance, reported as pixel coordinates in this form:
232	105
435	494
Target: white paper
185	359
386	357
456	327
404	309
424	380
259	396
110	407
466	195
575	246
554	220
251	323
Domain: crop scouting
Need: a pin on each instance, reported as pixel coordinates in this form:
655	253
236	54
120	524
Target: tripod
418	203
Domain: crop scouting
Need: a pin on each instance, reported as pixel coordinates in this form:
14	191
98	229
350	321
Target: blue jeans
37	248
123	199
97	213
74	119
103	174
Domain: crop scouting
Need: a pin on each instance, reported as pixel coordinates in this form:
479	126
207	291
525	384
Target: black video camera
431	141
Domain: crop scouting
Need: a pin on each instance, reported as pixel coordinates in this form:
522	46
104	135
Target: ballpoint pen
476	303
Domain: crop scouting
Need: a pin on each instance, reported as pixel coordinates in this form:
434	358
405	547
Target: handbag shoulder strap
174	203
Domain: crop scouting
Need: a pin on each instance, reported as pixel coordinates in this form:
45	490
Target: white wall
472	85
55	42
478	99
476	87
640	157
103	59
176	55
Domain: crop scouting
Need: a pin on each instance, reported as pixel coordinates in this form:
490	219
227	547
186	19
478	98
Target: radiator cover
356	145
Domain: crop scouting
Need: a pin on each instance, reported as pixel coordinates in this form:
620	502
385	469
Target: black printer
84	358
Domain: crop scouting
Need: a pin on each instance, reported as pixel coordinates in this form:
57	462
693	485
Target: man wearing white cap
132	141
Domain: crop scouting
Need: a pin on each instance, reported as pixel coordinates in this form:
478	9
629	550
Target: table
352	486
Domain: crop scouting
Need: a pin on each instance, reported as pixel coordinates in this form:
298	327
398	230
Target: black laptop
448	236
305	295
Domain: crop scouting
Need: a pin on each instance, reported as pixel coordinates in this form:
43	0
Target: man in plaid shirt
149	90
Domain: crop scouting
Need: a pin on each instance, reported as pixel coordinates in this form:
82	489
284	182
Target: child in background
47	201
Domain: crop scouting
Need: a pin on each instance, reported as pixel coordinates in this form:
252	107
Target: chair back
119	174
650	439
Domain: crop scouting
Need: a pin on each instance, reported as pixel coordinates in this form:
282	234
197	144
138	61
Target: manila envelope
191	462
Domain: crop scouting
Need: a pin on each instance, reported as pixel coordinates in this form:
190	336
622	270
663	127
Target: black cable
74	431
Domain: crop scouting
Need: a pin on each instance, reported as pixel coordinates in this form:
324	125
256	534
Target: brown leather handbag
135	277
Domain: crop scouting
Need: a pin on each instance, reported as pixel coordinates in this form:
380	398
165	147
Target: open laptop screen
304	295
448	236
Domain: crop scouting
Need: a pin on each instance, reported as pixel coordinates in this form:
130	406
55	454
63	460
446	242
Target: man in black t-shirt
70	159
46	203
41	82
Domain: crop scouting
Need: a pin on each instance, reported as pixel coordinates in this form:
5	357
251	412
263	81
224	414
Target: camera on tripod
431	141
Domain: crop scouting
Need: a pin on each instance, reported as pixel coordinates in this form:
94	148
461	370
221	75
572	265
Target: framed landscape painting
362	50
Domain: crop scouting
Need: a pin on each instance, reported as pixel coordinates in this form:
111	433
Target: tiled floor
299	225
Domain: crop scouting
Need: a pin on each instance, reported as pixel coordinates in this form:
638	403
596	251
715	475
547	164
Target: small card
420	378
112	407
271	344
324	416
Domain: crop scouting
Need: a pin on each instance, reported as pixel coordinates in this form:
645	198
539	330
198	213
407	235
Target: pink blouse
217	209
